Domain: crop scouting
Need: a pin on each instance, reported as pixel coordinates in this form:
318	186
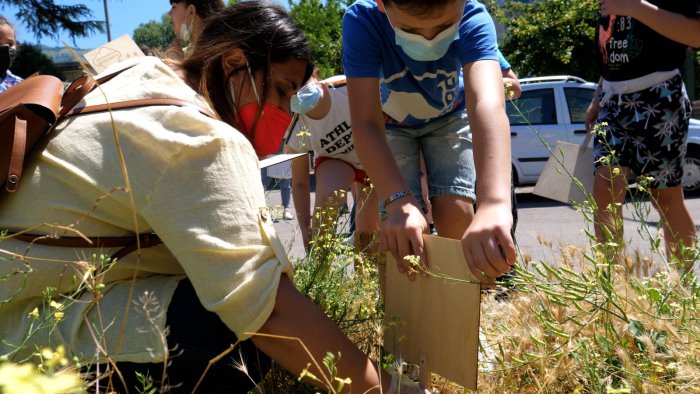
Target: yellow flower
26	379
34	313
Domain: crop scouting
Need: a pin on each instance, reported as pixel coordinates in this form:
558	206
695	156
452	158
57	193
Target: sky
124	17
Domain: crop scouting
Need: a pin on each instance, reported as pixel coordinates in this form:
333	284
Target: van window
578	100
533	107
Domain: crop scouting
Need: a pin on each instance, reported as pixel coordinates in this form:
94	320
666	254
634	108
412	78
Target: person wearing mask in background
188	21
8	51
640	95
220	274
322	124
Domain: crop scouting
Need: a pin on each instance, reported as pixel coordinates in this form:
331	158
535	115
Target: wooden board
438	319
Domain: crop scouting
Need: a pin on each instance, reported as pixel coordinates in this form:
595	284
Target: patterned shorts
647	132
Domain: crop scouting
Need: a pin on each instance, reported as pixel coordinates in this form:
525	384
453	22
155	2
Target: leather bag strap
139	103
75	93
128	243
19	146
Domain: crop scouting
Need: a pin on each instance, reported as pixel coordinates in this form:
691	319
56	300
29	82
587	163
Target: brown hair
265	33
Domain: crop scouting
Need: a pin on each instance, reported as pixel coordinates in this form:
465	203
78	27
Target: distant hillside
60	54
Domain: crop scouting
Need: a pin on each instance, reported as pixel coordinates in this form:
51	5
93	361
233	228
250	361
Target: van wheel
691	171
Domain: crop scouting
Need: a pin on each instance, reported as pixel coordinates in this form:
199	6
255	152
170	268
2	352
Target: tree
321	22
45	18
549	37
155	35
30	59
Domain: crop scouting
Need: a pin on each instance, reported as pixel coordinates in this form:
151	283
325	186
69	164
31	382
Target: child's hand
402	234
487	243
592	116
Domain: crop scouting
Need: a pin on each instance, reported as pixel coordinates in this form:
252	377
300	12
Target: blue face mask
421	49
306	98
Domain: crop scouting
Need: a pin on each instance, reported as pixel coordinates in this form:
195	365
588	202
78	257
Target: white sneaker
287	215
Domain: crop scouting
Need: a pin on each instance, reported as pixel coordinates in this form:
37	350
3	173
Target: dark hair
420	8
265	33
205	8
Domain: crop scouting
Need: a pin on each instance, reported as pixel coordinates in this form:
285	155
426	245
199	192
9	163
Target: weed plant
348	296
590	323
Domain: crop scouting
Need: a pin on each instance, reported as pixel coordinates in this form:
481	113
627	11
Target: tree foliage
45	18
549	37
30	59
155	35
321	21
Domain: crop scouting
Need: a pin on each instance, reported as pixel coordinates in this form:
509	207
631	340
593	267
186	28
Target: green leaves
549	37
321	22
155	34
45	18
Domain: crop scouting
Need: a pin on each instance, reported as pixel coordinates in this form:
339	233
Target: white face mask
186	30
420	48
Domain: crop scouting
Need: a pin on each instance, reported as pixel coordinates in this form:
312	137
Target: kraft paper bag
567	160
434	322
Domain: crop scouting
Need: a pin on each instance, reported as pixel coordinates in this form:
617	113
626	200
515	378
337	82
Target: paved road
544	228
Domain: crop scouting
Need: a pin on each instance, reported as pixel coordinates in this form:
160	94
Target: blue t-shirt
414	92
502	62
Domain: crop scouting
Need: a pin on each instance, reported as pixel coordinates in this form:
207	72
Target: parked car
553	109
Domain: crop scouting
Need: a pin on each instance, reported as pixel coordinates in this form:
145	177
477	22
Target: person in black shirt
642	100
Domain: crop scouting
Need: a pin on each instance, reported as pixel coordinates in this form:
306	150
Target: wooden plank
435	321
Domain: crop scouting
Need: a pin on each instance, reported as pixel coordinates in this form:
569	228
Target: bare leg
367	224
452	215
679	229
332	179
366	213
424	191
609	192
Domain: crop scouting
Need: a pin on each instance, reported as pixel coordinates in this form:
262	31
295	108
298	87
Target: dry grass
589	326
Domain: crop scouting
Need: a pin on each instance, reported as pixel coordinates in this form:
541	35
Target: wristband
396	196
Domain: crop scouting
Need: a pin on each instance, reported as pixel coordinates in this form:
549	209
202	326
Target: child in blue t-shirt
434	61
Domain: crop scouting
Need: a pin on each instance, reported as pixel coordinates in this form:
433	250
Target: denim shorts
446	144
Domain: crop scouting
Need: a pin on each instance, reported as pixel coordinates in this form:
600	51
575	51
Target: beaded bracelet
396	196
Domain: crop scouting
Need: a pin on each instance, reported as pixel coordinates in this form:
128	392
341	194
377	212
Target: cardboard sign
112	52
434	322
567	160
